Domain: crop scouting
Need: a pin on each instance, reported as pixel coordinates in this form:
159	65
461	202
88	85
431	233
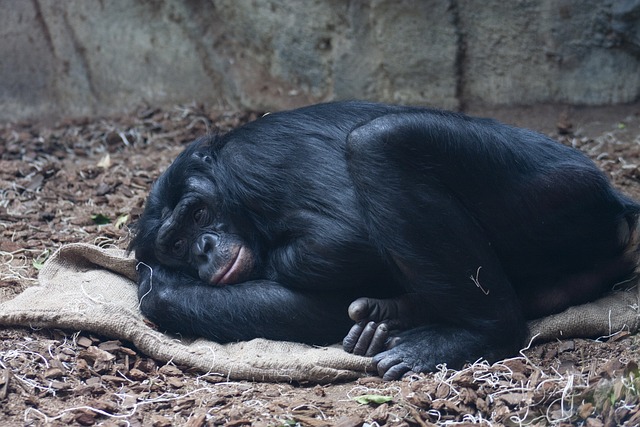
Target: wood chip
381	414
443	390
127	351
4	383
93	381
184	403
175	382
568	345
160	421
103	405
110	346
137	374
36	182
101	360
113	379
84	342
53	373
197	421
59	385
170	370
86	418
349	421
594	422
512	399
240	422
145	365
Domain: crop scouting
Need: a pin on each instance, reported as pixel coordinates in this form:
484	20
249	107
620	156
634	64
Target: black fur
455	229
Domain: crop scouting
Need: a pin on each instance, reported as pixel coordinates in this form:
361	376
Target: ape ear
205	149
203	156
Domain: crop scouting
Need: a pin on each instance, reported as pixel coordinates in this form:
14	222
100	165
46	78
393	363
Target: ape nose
205	247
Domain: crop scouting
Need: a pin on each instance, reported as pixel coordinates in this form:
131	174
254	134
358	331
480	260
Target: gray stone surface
87	57
546	51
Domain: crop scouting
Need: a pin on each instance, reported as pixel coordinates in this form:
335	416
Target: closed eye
200	216
179	247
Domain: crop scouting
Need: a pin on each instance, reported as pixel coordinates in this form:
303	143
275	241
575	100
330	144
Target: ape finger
392	342
362	345
395	312
396	372
379	340
373	340
360	310
349	342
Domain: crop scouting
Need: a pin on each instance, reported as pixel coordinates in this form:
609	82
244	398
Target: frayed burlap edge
84	287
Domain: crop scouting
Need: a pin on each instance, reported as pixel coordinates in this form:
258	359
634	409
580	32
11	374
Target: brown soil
57	182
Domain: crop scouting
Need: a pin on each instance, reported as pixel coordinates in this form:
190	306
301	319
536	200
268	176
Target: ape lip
228	273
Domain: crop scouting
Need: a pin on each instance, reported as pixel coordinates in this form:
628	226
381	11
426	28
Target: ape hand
376	320
367	339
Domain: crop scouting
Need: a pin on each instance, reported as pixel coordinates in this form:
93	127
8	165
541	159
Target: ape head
186	225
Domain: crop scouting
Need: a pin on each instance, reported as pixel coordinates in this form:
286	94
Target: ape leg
467	308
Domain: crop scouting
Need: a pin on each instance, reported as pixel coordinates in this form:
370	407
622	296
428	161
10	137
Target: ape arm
258	309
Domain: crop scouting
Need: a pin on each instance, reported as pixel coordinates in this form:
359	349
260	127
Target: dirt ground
83	180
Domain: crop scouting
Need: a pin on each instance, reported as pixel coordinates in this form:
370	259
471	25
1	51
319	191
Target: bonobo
422	236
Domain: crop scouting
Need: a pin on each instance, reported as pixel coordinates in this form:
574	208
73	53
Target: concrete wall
86	57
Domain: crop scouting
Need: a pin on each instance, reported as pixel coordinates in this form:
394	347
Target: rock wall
87	57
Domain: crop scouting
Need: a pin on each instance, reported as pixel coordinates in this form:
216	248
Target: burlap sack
84	287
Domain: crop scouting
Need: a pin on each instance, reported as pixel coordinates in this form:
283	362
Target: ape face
191	232
194	237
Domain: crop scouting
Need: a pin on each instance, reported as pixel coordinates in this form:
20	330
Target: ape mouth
230	272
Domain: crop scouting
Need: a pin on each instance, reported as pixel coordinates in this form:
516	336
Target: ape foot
393	364
408	357
423	349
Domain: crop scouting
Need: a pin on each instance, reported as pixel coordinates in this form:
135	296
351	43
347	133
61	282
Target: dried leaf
105	162
367	399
